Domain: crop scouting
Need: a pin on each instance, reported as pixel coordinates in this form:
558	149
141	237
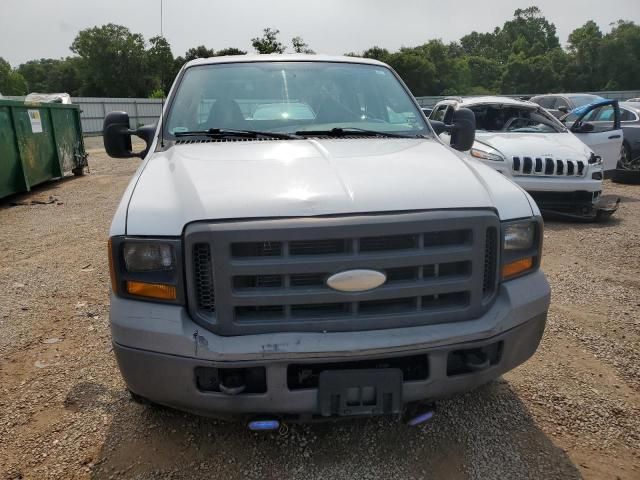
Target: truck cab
297	242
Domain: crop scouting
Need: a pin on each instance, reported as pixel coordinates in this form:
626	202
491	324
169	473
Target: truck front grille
265	276
548	167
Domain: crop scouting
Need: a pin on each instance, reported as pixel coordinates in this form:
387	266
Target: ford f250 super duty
298	242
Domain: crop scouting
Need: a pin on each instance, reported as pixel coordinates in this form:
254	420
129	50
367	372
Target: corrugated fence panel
93	110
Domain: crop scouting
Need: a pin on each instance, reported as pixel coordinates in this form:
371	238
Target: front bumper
158	348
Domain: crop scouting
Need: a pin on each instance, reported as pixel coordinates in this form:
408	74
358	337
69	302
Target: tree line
523	56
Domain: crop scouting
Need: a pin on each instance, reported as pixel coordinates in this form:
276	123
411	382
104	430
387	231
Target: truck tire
628	170
631	177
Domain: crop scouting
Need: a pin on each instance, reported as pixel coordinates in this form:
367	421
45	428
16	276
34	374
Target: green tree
485	74
377	53
199	52
529	33
482	45
11	82
417	71
160	64
269	42
524	75
113	62
230	51
50	75
299	45
619	57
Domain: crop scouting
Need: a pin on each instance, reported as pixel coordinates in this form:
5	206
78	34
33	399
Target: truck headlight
485	152
146	268
521	247
146	257
518	236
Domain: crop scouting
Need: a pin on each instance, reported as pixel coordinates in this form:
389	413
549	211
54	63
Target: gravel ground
572	411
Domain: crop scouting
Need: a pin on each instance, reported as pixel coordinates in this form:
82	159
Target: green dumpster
38	142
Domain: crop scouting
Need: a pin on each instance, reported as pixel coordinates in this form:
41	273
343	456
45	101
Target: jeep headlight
521	247
594	159
485	152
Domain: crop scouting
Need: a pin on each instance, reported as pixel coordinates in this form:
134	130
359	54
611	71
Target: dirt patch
572	411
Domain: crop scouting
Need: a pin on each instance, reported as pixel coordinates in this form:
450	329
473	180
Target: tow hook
232	384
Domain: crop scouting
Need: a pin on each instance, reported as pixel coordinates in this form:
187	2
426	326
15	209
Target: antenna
161	83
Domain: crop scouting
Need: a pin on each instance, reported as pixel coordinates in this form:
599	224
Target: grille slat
318	280
319	247
277	282
547	167
436	285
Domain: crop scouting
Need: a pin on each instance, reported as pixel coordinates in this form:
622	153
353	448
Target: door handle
614	136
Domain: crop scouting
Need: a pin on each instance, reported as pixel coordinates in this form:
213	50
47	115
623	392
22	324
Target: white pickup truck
298	242
561	166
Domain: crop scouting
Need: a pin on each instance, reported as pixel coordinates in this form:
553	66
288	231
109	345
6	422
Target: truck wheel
628	170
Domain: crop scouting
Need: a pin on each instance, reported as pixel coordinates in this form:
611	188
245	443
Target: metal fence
147	110
93	110
141	111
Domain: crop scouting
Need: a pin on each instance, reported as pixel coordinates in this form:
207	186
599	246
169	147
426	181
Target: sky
31	29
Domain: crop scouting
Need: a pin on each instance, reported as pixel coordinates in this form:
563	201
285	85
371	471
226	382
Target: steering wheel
511	121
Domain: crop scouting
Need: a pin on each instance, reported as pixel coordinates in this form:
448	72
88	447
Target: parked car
562	168
628	168
634	100
344	264
559	104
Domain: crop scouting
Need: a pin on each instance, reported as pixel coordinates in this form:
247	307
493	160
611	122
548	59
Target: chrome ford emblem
358	280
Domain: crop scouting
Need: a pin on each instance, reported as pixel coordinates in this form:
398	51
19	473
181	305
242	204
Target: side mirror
116	136
563	109
585	127
463	129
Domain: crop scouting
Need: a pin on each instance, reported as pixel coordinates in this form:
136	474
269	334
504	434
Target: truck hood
273	178
563	145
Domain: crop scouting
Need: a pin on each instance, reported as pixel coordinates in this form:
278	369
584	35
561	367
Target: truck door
598	125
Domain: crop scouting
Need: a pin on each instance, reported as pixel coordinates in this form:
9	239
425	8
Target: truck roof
488	99
274	57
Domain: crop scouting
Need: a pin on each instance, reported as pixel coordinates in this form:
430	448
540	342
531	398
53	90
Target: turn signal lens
152	290
514	268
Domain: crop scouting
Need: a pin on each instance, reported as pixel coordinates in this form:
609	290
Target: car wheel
628	169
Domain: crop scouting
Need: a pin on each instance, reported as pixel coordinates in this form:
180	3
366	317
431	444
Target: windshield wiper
341	132
230	132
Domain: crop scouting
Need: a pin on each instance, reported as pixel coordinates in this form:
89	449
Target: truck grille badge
356	280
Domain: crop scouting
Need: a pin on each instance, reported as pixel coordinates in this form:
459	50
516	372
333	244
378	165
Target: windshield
289	97
509	118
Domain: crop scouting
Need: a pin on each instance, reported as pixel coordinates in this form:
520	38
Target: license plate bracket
360	392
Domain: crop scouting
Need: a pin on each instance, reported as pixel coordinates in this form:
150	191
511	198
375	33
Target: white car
561	166
298	242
